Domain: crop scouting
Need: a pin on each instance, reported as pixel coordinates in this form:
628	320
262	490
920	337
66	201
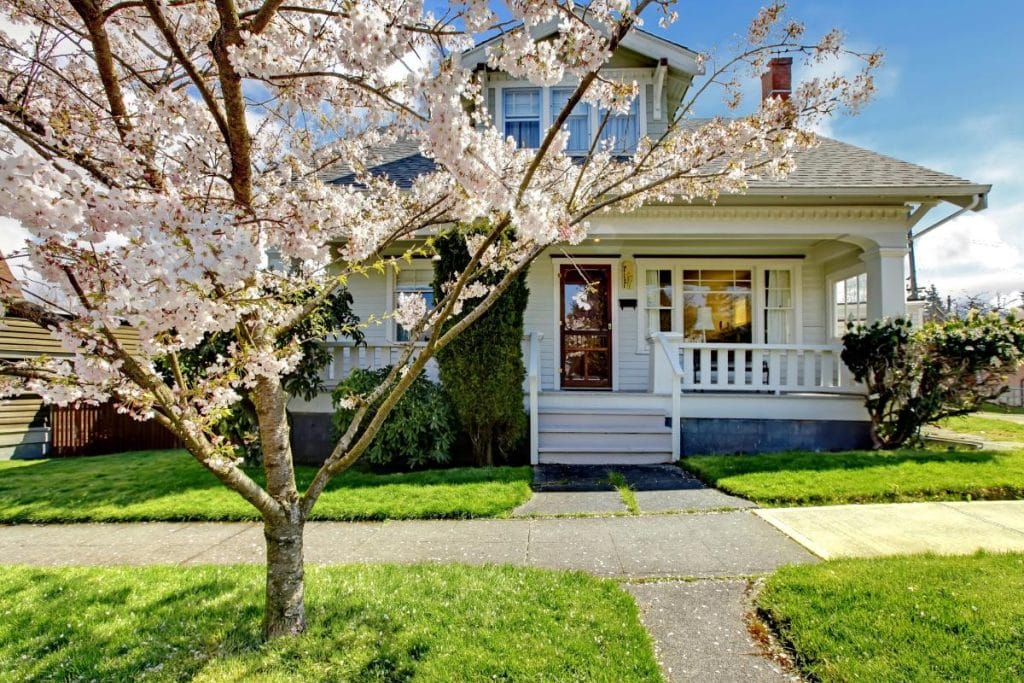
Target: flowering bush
946	368
420	430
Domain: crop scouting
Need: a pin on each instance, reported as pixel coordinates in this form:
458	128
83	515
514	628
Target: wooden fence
95	430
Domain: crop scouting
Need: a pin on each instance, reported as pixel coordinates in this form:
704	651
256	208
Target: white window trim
643	77
830	285
757	268
616	271
391	287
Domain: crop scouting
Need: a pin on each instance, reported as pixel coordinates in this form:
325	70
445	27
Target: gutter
973	205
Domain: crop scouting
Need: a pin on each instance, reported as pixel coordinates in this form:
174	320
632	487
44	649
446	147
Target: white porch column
887	295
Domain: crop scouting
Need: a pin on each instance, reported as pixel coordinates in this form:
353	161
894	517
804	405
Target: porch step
601	458
630	441
584	435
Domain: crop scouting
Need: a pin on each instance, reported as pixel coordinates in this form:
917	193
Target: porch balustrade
770	368
346	356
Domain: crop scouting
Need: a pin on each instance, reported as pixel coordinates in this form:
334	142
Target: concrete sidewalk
711	545
903	528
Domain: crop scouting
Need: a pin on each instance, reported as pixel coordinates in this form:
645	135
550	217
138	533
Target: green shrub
946	368
420	430
482	369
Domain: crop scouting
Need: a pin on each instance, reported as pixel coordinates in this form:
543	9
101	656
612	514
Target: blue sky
951	97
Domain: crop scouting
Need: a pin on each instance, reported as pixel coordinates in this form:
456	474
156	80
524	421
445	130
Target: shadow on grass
171	486
366	623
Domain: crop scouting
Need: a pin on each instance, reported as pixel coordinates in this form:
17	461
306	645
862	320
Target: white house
713	329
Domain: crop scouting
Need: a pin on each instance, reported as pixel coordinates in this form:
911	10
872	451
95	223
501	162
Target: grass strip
626	491
906	475
171	486
920	618
366	623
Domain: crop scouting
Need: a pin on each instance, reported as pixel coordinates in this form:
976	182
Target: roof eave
961	195
679	57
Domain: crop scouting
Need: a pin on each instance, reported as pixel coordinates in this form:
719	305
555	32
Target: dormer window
578	122
526	113
624	128
522	116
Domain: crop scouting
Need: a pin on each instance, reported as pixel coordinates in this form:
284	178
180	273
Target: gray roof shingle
832	167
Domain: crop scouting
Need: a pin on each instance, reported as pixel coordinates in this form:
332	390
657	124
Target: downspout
911	237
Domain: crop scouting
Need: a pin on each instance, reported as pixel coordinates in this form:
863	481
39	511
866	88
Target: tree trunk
286	606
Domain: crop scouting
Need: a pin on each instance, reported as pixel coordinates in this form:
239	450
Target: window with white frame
526	112
521	112
741	303
778	306
849	302
717	305
622	130
415	279
578	121
658	297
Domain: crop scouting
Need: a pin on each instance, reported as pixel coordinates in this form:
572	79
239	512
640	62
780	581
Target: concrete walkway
903	528
712	545
700	634
586	489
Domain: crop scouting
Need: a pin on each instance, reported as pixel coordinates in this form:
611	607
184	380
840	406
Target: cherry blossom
158	151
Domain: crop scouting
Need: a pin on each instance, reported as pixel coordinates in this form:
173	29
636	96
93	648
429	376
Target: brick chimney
778	80
9	286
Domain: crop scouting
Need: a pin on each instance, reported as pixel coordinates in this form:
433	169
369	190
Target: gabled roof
678	57
831	169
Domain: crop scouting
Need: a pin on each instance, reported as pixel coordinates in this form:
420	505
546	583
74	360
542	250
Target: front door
586	326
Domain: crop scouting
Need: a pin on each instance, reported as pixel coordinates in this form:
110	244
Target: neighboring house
713	329
29	429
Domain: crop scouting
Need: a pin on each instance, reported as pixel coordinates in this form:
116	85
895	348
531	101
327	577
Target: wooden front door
586	326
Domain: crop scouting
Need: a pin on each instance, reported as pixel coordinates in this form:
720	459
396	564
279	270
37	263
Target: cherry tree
157	150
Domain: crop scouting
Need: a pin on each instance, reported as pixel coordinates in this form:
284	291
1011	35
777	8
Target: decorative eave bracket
659	85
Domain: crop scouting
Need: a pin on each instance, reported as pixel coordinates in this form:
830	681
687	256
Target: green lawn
170	485
806	478
987	428
1001	408
366	623
903	619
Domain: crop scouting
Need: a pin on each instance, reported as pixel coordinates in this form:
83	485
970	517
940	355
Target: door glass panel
586	319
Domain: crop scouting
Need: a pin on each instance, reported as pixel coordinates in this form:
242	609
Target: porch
701	398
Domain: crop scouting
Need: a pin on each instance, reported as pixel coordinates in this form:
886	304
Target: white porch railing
533	387
776	368
346	356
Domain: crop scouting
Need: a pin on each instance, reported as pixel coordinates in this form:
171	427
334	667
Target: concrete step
609	420
645	441
561	457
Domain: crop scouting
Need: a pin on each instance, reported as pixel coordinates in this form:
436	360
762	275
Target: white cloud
974	254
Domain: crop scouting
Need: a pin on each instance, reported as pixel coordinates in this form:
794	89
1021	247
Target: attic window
522	116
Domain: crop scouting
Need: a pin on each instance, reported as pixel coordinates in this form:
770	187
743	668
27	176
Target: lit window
624	128
578	121
850	303
522	116
717	306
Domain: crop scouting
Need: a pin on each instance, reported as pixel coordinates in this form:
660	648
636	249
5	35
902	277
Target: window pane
522	102
525	133
625	128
